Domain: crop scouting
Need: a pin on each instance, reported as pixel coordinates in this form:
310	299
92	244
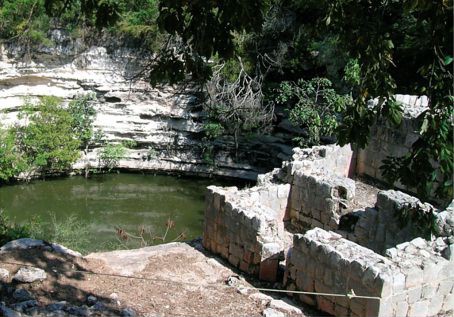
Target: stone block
358	307
414	295
448	304
430	272
328	277
308	299
268	270
445	287
325	304
236	250
401	309
418	309
234	260
428	291
341	310
248	256
244	266
398	281
435	305
414	277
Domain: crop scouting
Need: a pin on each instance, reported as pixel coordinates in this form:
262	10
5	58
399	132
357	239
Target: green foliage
129	144
48	141
24	21
314	106
111	154
71	232
423	221
83	115
12	163
206	29
213	130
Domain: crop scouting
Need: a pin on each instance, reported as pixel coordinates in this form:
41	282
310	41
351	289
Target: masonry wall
417	281
318	200
389	140
246	227
379	228
332	159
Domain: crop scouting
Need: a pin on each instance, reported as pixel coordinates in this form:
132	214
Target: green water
106	202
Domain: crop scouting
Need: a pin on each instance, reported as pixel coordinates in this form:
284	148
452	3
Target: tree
393	33
47	141
237	106
12	163
313	106
83	115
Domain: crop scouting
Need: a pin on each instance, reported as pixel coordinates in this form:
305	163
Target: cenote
104	205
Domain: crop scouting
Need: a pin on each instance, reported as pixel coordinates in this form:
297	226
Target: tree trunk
86	162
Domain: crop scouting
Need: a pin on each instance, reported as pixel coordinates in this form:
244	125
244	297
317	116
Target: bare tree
239	105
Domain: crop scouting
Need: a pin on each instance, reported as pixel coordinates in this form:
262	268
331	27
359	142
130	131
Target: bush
314	106
110	155
48	142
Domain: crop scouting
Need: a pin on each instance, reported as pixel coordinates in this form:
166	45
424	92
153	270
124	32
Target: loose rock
128	312
285	306
91	300
270	312
30	275
21	294
8	312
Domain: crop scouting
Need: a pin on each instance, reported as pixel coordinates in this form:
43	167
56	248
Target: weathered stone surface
164	122
4	275
285	306
27	243
271	312
29	275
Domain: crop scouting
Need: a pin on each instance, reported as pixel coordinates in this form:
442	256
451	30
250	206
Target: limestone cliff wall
165	122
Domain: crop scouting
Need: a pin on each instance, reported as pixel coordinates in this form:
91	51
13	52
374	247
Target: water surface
105	203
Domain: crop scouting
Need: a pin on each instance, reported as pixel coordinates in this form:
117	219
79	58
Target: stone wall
379	228
246	227
389	140
405	275
415	281
318	200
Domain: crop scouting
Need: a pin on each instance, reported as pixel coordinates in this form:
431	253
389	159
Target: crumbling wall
415	281
387	139
332	159
380	228
246	227
318	200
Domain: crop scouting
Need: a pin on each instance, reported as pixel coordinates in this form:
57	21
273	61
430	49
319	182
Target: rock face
165	123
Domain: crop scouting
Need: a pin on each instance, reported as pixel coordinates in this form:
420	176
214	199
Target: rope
349	295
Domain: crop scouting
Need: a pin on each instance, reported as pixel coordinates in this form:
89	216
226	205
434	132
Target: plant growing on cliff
83	115
110	155
12	163
47	140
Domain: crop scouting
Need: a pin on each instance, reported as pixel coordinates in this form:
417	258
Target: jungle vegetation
251	56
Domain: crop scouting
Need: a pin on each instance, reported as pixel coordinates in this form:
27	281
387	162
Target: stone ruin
317	226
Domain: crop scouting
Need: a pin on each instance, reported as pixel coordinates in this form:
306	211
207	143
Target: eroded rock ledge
164	122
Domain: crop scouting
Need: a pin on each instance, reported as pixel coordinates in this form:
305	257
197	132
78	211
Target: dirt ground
169	280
